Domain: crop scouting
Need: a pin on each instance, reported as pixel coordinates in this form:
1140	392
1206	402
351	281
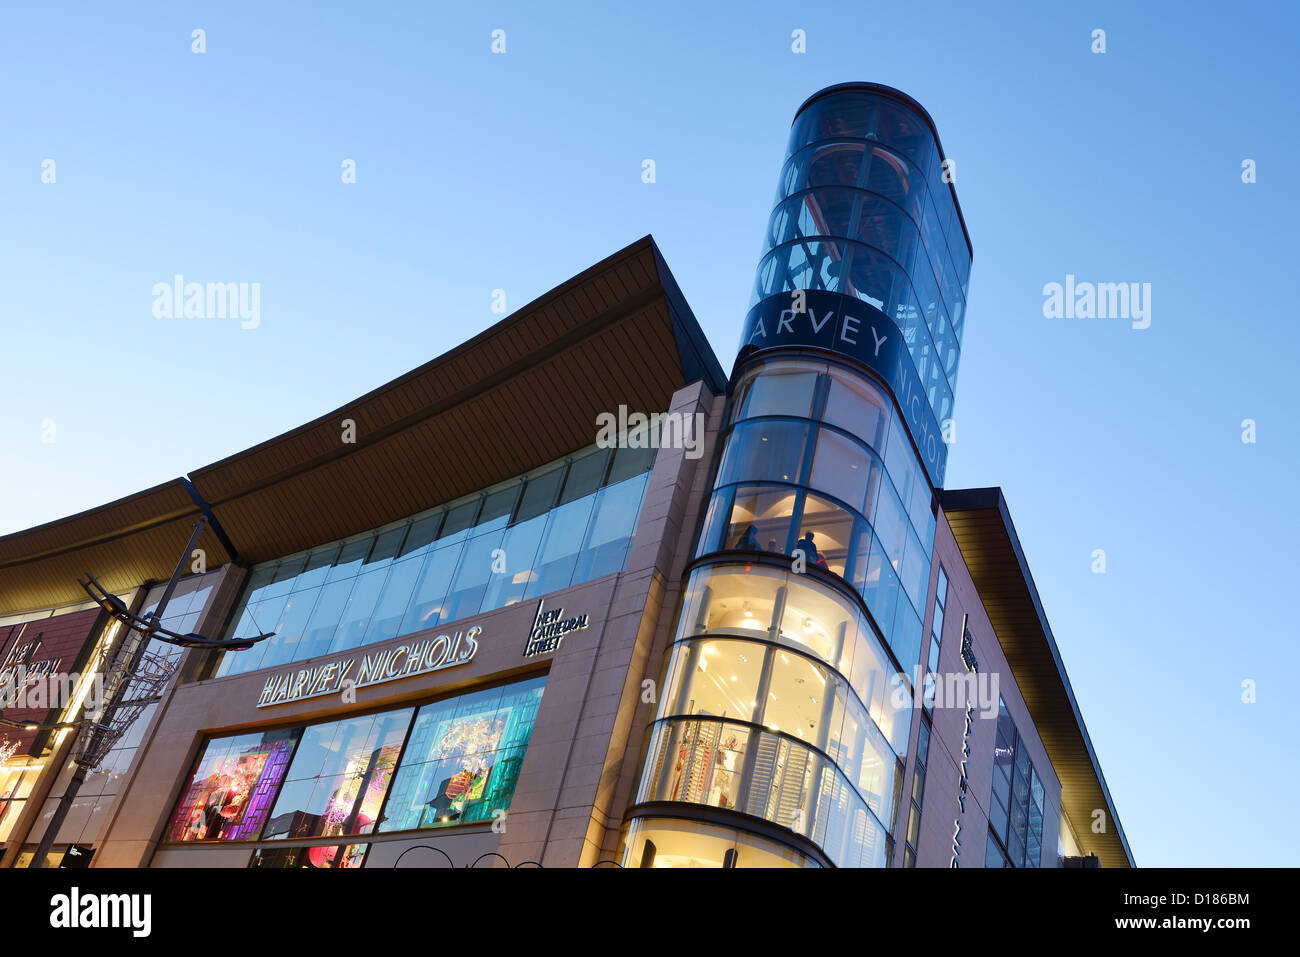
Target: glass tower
782	729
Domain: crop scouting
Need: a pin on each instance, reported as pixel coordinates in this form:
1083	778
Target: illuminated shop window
17	778
230	791
781	703
782	607
781	691
664	842
766	775
463	758
563	524
871	520
460	763
761	519
323	857
339	777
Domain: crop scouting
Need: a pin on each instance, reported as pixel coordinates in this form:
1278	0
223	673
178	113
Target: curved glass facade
786	707
781	704
862	209
672	842
817	461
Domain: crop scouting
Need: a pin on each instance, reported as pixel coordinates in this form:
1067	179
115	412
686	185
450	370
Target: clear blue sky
477	171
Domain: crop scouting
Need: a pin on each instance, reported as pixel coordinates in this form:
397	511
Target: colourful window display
339	777
459	763
323	857
231	789
463	758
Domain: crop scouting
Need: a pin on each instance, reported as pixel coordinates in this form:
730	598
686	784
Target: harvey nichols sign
418	658
861	332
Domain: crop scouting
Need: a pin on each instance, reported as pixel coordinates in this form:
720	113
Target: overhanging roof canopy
124	544
981	524
521	393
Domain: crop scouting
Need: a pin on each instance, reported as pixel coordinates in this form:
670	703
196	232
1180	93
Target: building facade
571	596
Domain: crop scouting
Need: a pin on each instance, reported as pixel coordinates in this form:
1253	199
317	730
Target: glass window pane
539	494
229	792
902	129
858	408
459	520
463	757
285	646
325	618
893	177
843	468
821	212
779	389
712	535
630	462
339	777
466	595
819	622
586	474
844	114
826	534
387	545
612	527
421	533
764	450
286	575
386	621
890	523
557	557
519	549
800	698
871	277
905	639
720	678
497	508
887	228
319	564
760	520
354	624
428	606
833	164
731	599
351	556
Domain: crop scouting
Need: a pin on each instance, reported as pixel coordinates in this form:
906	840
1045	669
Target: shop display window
323	857
339	777
230	791
463	758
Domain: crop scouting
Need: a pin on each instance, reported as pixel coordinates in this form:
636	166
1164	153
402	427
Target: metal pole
60	812
125	663
180	568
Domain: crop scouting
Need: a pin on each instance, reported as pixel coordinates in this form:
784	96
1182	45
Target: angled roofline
625	308
992	499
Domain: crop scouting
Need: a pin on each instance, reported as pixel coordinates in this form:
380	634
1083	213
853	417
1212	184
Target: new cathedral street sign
549	629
